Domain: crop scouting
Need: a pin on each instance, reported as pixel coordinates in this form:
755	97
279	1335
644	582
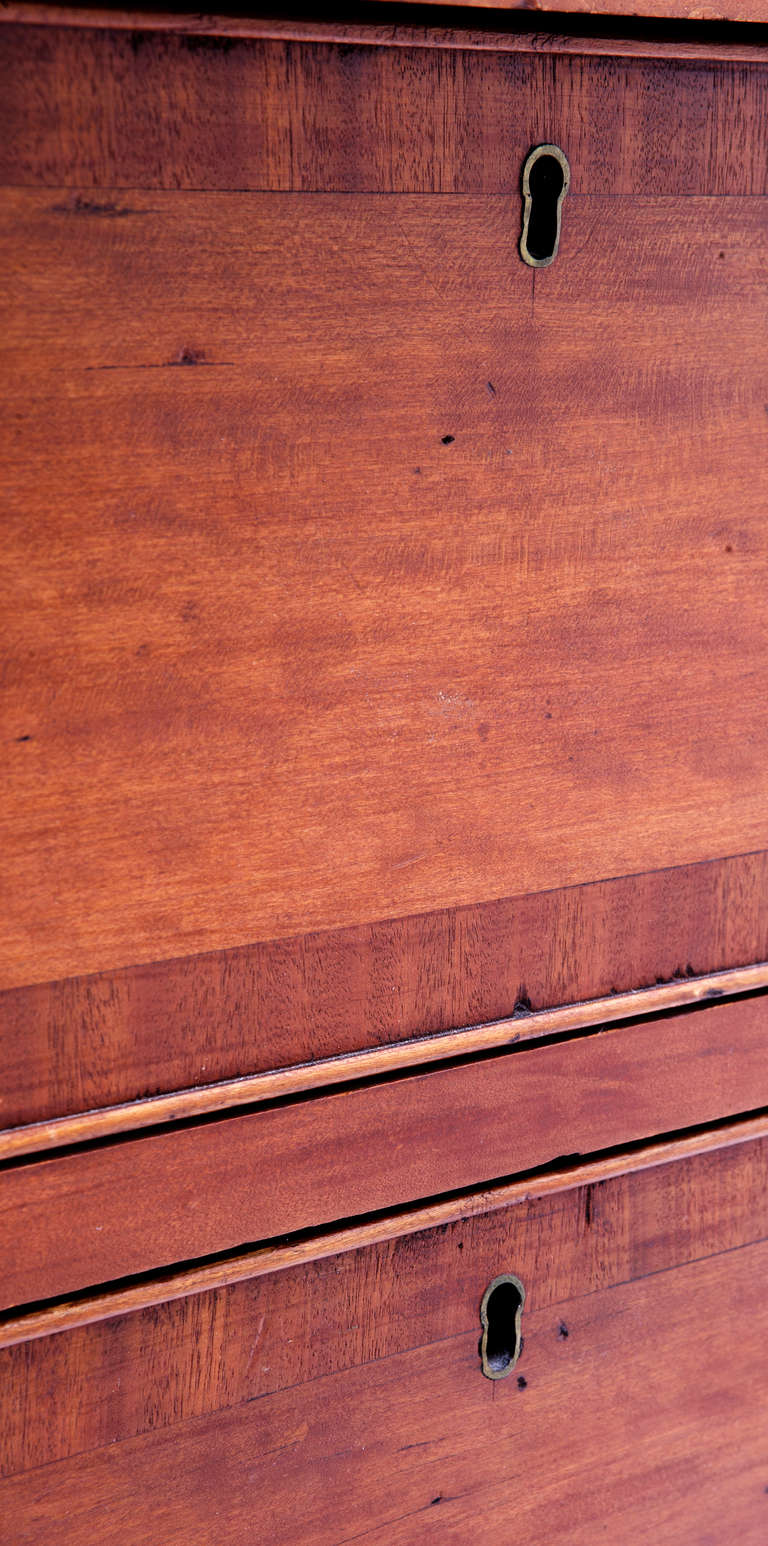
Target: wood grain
54	1317
431	596
682	10
235	709
83	1043
644	1367
522	32
526	1025
132	1205
98	108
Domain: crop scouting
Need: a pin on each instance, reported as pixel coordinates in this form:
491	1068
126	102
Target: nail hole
546	179
500	1314
448	440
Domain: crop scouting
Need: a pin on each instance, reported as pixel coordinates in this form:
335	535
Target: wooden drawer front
163	111
101	1212
344	1398
344	586
69	1046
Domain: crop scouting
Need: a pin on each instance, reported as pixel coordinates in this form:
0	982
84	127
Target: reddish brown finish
55	1316
677	10
279	676
254	1337
88	1042
434	582
510	34
169	111
375	1062
644	1364
133	1205
372	1452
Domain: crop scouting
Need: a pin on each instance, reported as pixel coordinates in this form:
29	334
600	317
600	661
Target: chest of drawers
385	824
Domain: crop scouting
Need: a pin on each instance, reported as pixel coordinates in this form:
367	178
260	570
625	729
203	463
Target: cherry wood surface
384	651
251	1338
53	1316
453	24
279	658
255	1089
94	108
131	1205
517	32
344	1398
470	24
84	1043
682	10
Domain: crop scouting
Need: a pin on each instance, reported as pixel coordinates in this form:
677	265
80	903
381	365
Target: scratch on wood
255	1343
387	1523
80	206
184	359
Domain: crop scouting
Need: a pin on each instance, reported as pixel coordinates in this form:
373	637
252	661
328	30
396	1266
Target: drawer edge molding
733	44
253	1089
68	1313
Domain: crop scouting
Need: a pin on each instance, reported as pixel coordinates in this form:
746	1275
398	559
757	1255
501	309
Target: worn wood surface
94	109
429	585
278	658
677	10
346	1396
249	1090
132	1205
699	37
70	1046
53	1317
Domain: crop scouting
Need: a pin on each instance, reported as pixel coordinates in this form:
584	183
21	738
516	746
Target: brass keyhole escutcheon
546	180
500	1315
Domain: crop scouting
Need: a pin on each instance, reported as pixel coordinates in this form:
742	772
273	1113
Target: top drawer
357	570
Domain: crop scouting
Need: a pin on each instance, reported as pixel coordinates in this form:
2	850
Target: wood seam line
253	1089
382	36
260	1260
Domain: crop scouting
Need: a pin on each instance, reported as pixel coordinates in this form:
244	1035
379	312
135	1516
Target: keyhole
500	1314
546	178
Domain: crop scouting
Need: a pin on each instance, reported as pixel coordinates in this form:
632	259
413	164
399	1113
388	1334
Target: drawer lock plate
546	179
500	1314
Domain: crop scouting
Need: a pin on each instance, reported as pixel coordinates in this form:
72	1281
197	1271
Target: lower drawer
122	1207
343	1398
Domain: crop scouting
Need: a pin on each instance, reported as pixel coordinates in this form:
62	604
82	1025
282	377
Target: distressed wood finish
266	677
71	1046
645	1323
385	650
706	41
133	1205
675	10
250	1090
159	110
52	1317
